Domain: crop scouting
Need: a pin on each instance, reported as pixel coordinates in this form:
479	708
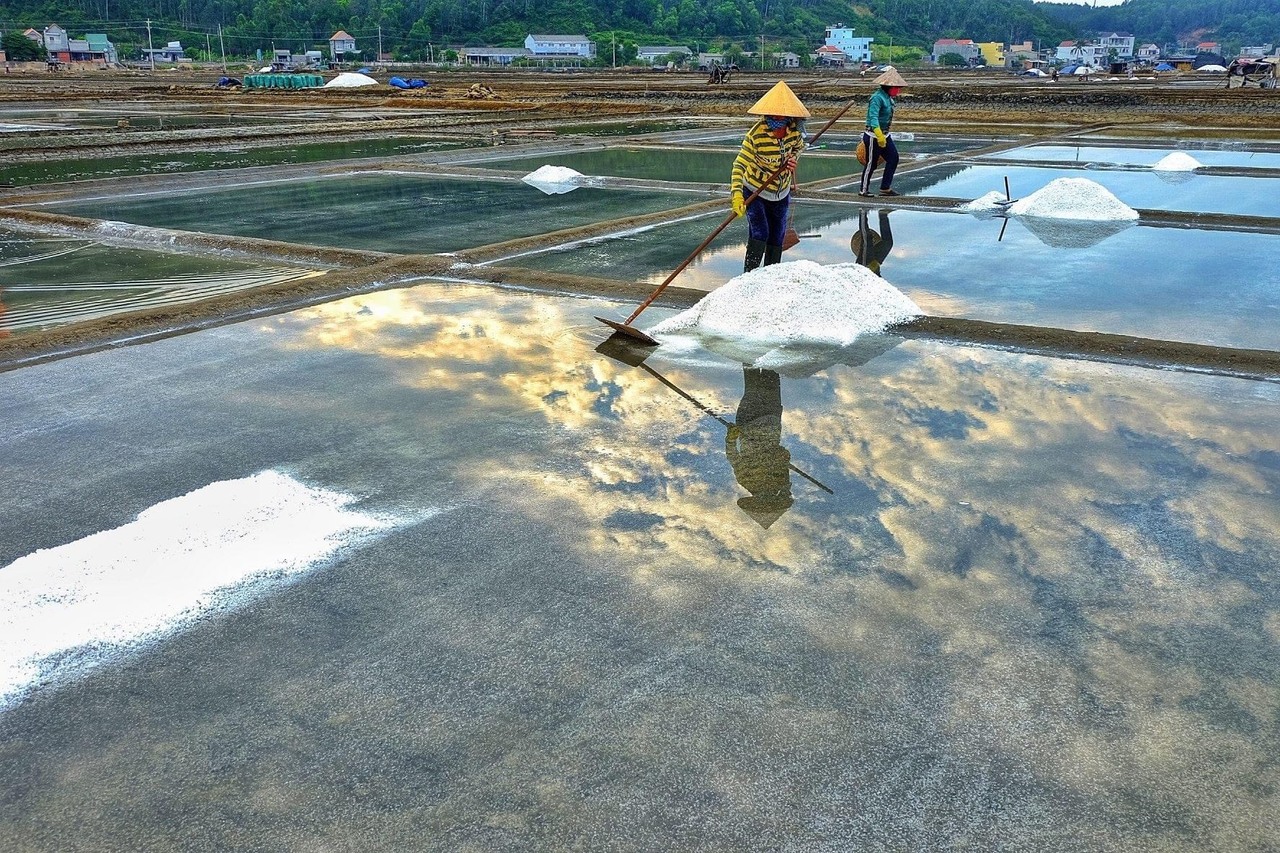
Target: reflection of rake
619	348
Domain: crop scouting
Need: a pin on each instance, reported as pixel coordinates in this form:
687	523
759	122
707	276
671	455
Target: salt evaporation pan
1178	162
553	180
1074	198
800	302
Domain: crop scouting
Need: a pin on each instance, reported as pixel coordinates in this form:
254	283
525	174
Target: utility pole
762	51
208	51
150	50
223	48
613	41
379	42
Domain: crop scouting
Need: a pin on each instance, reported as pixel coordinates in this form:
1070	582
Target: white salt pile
1178	162
553	180
66	609
1074	198
988	203
800	302
350	80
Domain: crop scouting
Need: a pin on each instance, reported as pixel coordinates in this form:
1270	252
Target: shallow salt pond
400	212
57	171
1207	156
52	281
950	576
1174	191
674	164
1177	284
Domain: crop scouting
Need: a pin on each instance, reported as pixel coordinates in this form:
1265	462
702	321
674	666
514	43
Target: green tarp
283	81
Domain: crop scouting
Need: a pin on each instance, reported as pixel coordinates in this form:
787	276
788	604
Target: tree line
419	29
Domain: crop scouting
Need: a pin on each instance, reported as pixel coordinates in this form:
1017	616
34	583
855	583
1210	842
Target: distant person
1054	76
774	142
869	247
753	445
876	135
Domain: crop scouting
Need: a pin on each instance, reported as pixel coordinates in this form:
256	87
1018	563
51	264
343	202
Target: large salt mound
1074	198
800	302
1178	162
350	80
553	180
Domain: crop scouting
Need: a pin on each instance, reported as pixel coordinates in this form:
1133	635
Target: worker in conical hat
876	137
773	143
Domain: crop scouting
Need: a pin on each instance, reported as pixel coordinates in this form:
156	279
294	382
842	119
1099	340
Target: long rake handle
723	225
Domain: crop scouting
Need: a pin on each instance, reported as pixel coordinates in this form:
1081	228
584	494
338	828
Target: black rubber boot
772	255
755	254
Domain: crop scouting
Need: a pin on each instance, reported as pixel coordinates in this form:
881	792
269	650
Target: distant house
786	59
35	35
1207	47
491	55
1257	50
56	43
1120	43
706	60
964	48
341	44
842	38
101	49
830	56
1148	53
650	54
992	53
171	52
559	46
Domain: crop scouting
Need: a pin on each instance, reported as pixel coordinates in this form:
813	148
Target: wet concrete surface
1036	610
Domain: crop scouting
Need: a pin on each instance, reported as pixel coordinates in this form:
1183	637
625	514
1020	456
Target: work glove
739	204
880	137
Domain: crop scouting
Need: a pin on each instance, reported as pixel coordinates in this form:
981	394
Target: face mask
776	123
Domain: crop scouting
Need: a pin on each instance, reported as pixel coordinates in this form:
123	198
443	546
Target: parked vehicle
1260	73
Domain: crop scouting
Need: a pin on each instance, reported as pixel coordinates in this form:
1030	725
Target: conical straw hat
780	101
890	78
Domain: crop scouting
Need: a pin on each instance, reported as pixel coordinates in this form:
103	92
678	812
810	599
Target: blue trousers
767	220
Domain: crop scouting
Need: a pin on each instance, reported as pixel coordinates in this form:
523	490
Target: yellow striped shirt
760	155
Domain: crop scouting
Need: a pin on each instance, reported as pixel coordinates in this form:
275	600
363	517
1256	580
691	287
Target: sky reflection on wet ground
1036	607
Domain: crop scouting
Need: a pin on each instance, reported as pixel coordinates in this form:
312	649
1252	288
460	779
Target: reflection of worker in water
868	246
753	444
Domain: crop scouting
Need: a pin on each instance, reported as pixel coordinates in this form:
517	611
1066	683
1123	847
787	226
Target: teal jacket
880	110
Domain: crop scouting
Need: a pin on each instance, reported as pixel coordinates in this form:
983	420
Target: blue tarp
401	83
1070	69
1164	66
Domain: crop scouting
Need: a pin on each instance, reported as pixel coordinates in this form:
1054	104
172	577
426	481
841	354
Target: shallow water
1038	597
1207	156
57	171
50	281
384	212
1175	284
675	164
1177	191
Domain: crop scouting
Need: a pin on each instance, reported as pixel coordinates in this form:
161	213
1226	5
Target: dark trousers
875	154
767	220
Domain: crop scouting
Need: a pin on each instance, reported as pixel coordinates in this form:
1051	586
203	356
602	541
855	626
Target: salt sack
1177	162
800	302
350	80
553	180
1074	198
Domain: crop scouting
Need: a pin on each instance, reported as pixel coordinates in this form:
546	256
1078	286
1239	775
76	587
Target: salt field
335	519
1193	193
407	212
596	586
